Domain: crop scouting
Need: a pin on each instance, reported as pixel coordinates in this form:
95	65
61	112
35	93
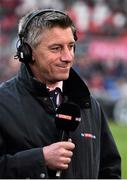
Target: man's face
54	55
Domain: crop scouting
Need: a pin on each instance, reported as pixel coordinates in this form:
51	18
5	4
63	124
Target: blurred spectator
28	5
100	14
80	13
55	4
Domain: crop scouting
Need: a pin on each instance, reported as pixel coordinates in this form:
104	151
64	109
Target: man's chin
62	78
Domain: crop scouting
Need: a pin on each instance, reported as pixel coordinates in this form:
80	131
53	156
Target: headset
24	51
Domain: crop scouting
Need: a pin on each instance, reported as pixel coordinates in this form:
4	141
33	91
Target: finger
67	153
63	166
64	160
67	160
68	145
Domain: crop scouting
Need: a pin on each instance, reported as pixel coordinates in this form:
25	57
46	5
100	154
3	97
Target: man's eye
55	49
71	46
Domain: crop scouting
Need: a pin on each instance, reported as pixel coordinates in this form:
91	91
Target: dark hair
32	25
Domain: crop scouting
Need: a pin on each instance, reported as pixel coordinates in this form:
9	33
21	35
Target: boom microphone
67	119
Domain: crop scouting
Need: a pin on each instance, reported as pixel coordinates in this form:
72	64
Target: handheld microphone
67	119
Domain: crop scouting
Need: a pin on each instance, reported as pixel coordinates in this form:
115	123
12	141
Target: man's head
46	38
32	25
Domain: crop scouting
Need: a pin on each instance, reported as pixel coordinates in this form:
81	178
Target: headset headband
33	15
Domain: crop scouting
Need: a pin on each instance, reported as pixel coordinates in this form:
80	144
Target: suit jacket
27	124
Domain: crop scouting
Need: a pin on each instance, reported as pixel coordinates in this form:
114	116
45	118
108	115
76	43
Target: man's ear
33	57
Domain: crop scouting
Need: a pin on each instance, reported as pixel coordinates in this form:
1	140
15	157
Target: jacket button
42	175
45	99
87	104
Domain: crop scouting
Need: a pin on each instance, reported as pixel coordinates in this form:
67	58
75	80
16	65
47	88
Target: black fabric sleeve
24	164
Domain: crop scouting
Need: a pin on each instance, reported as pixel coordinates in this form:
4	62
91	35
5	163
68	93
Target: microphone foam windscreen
68	117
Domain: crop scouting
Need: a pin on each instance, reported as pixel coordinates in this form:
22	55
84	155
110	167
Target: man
30	142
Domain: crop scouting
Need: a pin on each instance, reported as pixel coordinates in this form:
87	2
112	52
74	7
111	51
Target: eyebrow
59	44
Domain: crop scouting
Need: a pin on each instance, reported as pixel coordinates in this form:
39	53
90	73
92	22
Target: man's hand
58	155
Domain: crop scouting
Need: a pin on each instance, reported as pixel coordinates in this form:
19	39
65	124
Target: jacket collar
32	84
74	87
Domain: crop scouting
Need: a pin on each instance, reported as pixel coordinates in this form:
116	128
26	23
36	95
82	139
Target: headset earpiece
24	53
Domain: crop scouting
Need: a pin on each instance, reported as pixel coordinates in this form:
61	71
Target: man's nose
67	55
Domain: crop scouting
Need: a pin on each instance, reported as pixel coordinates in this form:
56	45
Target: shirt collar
59	85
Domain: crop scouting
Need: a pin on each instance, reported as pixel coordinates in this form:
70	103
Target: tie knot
56	96
55	92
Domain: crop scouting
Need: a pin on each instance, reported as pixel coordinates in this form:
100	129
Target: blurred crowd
101	56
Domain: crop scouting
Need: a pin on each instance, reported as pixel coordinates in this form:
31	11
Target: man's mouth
63	66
